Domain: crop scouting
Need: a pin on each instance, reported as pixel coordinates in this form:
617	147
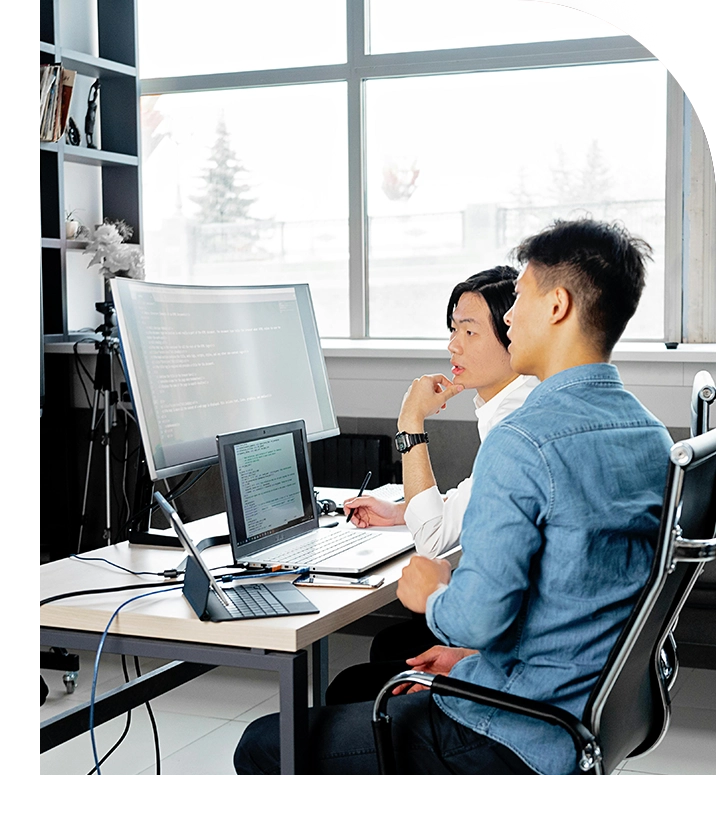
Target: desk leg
319	664
293	716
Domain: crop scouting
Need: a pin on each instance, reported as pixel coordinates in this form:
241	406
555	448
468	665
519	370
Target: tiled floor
200	723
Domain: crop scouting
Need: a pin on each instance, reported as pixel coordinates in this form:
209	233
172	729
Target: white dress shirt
434	520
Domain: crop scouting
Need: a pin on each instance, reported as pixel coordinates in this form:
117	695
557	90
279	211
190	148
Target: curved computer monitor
206	360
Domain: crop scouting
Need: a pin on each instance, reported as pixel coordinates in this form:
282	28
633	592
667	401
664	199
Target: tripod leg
107	534
95	406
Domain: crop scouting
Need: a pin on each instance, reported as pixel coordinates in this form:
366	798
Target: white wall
368	378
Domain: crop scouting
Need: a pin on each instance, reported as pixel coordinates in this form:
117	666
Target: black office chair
628	711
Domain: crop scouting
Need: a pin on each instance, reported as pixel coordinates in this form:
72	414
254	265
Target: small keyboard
307	553
254	600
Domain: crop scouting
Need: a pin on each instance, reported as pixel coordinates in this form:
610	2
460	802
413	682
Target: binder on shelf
56	86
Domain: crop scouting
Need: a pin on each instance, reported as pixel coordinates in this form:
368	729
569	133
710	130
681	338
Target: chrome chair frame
703	394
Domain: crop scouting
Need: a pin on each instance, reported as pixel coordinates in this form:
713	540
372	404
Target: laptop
245	602
271	509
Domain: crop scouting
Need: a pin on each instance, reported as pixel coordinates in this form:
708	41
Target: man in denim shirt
557	538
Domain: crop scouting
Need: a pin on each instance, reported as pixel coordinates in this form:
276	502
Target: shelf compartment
52	292
98	158
87	155
77	245
47	24
94	66
56	243
50	198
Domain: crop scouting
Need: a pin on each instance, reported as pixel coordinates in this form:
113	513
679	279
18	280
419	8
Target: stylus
360	492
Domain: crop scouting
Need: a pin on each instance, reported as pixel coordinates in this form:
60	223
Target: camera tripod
107	349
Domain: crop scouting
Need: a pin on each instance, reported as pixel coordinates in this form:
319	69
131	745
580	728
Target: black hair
497	287
601	265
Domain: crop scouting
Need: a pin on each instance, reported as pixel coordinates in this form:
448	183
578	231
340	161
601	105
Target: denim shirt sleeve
501	532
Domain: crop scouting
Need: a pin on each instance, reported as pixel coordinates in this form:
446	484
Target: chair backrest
703	393
628	710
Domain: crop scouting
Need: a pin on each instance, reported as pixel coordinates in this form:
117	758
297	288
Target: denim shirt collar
592	372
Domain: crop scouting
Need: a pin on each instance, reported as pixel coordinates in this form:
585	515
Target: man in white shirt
478	353
479	358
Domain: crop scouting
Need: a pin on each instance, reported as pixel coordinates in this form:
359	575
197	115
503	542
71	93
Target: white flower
115	257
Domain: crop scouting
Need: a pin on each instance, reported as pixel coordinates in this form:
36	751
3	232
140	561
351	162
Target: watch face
406	441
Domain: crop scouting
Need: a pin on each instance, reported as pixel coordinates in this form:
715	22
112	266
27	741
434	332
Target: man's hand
436	660
371	511
420	578
426	396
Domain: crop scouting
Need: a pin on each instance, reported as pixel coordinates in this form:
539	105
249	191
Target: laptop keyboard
254	600
304	553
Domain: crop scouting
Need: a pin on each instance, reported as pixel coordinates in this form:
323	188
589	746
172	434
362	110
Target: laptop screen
267	486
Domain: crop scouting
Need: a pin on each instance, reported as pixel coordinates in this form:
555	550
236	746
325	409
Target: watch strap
406	441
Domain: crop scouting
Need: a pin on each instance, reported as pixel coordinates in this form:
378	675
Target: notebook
271	510
212	602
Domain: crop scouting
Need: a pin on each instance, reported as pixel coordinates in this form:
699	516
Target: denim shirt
557	542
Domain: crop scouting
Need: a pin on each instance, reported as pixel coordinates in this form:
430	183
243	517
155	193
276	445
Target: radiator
342	461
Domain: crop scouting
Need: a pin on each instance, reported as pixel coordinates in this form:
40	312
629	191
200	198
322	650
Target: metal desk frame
189	660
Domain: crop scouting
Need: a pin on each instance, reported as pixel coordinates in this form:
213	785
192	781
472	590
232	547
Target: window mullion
674	212
357	239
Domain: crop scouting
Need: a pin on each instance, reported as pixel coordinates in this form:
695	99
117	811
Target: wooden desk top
169	616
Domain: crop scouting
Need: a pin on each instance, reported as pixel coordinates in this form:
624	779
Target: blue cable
96	666
109	625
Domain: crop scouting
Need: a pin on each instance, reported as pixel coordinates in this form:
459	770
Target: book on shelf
48	75
56	86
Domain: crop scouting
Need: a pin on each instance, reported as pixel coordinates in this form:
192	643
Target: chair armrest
584	741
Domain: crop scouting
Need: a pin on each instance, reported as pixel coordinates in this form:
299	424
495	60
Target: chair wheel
70	680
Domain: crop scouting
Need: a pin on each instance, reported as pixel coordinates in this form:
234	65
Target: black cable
155	731
126	725
78	363
110	590
167	582
176	492
165	573
179	490
246	570
98	655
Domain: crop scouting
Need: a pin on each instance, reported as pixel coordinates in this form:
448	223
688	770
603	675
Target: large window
250	187
421	25
384	151
181	38
462	167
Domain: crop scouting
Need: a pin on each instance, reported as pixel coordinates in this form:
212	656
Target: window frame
689	304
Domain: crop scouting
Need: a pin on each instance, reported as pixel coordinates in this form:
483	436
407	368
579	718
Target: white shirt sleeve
434	522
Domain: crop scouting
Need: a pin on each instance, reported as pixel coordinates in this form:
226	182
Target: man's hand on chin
421	577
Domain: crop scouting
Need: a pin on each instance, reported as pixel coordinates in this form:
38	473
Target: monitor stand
139	532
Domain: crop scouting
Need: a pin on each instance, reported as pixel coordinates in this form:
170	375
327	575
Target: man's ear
561	305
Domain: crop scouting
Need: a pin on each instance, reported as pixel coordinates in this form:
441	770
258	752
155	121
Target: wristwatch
406	441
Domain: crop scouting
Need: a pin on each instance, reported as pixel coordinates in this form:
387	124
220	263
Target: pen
360	492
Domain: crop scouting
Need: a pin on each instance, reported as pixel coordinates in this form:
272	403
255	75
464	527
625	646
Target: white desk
164	626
